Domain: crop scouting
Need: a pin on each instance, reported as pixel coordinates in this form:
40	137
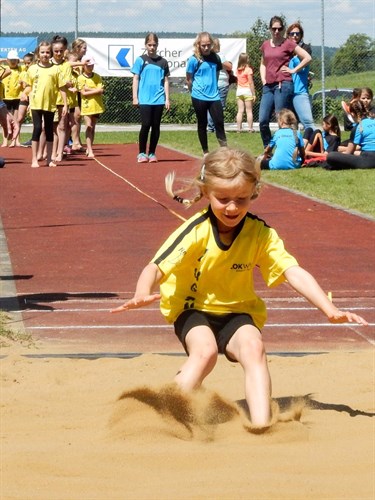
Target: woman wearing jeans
276	75
201	77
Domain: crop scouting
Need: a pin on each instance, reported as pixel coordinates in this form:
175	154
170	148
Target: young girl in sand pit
205	272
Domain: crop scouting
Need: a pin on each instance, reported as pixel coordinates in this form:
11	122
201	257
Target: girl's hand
135	101
137	302
286	69
346	317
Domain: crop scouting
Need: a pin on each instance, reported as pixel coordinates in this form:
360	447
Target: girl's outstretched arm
305	284
149	278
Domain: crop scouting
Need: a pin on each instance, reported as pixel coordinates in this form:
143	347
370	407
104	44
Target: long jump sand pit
110	428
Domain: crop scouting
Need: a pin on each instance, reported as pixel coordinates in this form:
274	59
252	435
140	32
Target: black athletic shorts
12	104
223	326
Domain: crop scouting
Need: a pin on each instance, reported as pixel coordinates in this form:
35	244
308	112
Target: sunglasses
277	29
294	33
205	45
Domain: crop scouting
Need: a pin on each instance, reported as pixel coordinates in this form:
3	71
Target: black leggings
150	119
40	118
341	161
215	109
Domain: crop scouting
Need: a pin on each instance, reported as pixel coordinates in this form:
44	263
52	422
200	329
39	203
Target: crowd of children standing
57	85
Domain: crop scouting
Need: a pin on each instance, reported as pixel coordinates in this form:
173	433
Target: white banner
116	56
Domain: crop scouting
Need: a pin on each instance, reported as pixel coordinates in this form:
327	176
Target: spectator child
151	94
288	143
245	93
360	153
28	59
319	143
12	90
202	74
44	82
91	87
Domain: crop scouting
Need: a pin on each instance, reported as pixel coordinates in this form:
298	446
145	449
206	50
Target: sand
78	429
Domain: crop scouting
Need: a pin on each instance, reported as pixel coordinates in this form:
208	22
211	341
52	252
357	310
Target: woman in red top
276	76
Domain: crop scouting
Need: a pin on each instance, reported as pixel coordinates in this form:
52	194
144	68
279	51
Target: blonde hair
223	163
287	117
243	61
43	43
197	41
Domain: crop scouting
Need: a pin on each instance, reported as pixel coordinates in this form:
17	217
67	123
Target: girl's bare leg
76	130
49	148
240	111
249	115
34	152
246	346
15	130
61	136
42	153
22	110
90	135
203	354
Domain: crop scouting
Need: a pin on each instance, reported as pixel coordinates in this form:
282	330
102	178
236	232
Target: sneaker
142	158
152	158
26	144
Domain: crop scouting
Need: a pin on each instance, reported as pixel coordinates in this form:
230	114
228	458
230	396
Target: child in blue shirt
289	153
151	95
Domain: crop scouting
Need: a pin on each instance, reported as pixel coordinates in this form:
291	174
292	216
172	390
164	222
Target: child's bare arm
305	284
149	278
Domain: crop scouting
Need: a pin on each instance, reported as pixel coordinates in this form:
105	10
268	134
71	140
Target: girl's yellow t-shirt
45	83
12	87
91	105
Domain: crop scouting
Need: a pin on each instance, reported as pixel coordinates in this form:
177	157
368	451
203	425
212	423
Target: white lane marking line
138	327
149	309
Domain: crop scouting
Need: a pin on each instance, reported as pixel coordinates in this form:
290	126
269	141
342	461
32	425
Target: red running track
78	235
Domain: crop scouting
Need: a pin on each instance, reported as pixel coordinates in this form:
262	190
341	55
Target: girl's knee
252	349
206	357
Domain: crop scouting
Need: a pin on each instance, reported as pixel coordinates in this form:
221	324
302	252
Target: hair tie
178	198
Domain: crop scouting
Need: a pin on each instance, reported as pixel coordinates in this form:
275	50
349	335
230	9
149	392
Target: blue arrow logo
121	58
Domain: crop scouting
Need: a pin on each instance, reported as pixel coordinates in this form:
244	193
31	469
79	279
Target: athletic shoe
26	144
142	158
152	158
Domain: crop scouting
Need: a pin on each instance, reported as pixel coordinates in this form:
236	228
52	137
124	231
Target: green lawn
350	189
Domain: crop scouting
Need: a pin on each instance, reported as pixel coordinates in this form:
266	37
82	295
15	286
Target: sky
340	18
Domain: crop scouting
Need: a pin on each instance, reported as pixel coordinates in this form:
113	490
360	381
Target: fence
341	36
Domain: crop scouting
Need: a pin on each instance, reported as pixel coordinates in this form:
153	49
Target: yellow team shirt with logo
92	104
12	87
67	73
45	83
202	273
